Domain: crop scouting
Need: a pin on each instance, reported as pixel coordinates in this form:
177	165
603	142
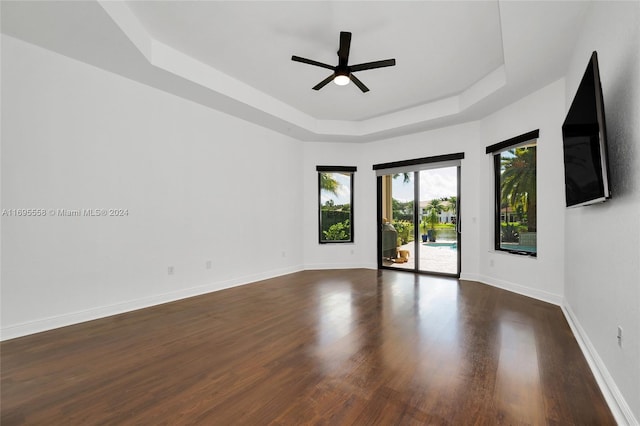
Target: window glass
516	200
336	206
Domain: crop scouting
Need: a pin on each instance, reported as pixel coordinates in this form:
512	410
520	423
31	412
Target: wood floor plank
315	347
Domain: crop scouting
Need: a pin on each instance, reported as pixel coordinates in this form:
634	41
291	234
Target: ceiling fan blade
324	82
311	62
345	45
372	65
358	83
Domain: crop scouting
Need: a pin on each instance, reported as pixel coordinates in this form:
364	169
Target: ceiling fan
343	72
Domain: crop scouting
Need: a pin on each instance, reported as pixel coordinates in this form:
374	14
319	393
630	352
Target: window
335	197
515	194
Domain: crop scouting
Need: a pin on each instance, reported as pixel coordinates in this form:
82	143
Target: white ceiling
441	49
456	61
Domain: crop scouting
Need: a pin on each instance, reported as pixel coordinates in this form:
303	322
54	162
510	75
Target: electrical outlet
619	336
284	254
491	262
208	264
170	270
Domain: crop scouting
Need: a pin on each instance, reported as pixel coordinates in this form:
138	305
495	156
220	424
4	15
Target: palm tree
434	208
436	205
433	218
328	183
453	204
406	177
518	182
424	225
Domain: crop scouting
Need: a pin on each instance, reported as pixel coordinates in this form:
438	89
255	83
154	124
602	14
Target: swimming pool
453	245
517	247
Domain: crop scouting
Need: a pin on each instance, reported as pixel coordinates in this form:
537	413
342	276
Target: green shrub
509	233
331	216
405	230
338	232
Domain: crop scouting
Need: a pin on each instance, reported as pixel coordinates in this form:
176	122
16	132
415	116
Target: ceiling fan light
341	80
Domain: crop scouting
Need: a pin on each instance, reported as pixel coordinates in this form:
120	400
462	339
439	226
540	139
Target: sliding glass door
438	218
398	221
418	211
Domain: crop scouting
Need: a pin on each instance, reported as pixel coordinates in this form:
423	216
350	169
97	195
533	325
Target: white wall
448	140
198	185
540	277
588	258
602	267
463	138
362	252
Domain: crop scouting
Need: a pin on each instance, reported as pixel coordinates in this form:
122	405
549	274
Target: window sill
517	253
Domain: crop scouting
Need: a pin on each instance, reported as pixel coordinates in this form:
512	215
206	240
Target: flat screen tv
584	134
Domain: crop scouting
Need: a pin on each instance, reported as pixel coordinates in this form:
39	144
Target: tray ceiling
456	61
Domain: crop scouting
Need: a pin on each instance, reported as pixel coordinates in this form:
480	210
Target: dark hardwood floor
346	347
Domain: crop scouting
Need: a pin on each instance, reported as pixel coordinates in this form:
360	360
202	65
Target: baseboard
469	277
616	402
618	405
545	296
50	323
321	266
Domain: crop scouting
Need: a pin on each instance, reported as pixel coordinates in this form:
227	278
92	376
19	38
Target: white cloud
438	183
435	183
342	196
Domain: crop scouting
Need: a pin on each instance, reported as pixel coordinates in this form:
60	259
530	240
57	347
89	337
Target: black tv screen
584	135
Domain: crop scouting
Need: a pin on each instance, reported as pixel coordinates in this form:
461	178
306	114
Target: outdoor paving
432	259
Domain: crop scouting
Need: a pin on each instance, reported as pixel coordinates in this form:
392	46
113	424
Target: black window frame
336	169
496	150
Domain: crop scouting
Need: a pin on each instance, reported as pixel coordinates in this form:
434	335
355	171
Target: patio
434	258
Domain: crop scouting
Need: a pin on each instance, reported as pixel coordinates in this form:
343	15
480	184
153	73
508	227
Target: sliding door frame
416	163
